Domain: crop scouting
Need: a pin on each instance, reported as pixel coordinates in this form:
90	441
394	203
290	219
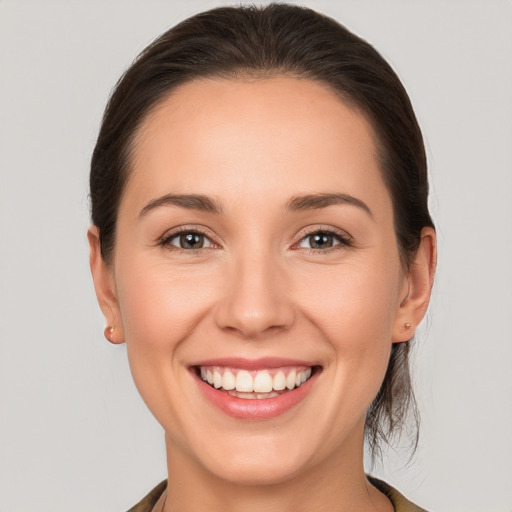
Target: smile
268	383
255	389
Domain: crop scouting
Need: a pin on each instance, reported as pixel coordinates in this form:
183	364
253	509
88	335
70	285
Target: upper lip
254	364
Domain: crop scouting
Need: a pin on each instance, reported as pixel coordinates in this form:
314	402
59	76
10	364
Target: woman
261	241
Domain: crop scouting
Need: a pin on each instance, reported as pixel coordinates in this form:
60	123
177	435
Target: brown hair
277	39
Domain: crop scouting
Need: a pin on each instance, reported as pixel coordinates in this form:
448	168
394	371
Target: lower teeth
252	396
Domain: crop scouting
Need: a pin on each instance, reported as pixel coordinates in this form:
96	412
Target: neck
337	483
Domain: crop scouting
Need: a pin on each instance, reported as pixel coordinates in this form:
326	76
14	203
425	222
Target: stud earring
109	333
407	326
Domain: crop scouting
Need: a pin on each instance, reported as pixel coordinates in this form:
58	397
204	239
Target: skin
256	289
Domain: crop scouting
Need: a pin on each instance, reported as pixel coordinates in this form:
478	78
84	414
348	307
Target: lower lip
255	409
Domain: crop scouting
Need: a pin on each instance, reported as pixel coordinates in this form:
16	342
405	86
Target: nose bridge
255	299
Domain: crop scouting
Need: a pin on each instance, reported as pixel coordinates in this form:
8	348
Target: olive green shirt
400	503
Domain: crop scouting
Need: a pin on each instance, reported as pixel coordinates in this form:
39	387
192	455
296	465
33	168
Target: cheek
161	307
354	309
352	303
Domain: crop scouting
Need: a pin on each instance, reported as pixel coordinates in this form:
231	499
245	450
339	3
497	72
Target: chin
247	471
261	460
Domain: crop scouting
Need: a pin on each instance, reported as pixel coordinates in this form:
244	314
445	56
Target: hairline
255	74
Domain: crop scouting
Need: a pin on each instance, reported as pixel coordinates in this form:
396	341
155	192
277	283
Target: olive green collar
400	503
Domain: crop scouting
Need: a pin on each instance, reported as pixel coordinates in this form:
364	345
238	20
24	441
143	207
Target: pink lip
265	408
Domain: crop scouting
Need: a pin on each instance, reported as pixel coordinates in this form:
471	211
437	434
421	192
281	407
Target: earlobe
111	335
413	307
105	288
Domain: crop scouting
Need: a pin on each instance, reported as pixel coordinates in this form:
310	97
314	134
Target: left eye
188	240
321	240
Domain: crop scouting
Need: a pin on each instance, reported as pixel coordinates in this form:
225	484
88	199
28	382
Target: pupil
191	241
321	240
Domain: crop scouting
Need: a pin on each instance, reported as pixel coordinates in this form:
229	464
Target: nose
256	299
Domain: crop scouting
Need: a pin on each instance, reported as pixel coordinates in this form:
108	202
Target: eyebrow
317	201
295	204
190	201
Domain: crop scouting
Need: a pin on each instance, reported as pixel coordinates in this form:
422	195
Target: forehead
280	135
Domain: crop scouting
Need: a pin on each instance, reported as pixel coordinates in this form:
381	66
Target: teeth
228	381
253	396
279	381
255	384
244	382
263	382
273	394
217	379
290	380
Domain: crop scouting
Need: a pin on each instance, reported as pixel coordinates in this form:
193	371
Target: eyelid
174	232
345	238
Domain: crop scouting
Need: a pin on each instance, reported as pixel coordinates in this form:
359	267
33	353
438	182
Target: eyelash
166	241
343	238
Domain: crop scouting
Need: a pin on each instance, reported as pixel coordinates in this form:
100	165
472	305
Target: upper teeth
262	381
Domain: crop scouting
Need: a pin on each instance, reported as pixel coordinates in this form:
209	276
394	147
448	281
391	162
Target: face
255	249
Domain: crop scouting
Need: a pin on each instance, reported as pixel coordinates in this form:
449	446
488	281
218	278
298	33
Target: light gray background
74	435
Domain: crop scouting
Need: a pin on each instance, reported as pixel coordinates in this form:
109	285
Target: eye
323	240
187	240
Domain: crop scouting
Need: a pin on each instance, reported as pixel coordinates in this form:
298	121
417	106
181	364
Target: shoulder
148	502
399	501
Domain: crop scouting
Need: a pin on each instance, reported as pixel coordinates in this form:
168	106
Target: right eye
187	240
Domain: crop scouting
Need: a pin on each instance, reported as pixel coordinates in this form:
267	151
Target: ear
104	284
417	288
